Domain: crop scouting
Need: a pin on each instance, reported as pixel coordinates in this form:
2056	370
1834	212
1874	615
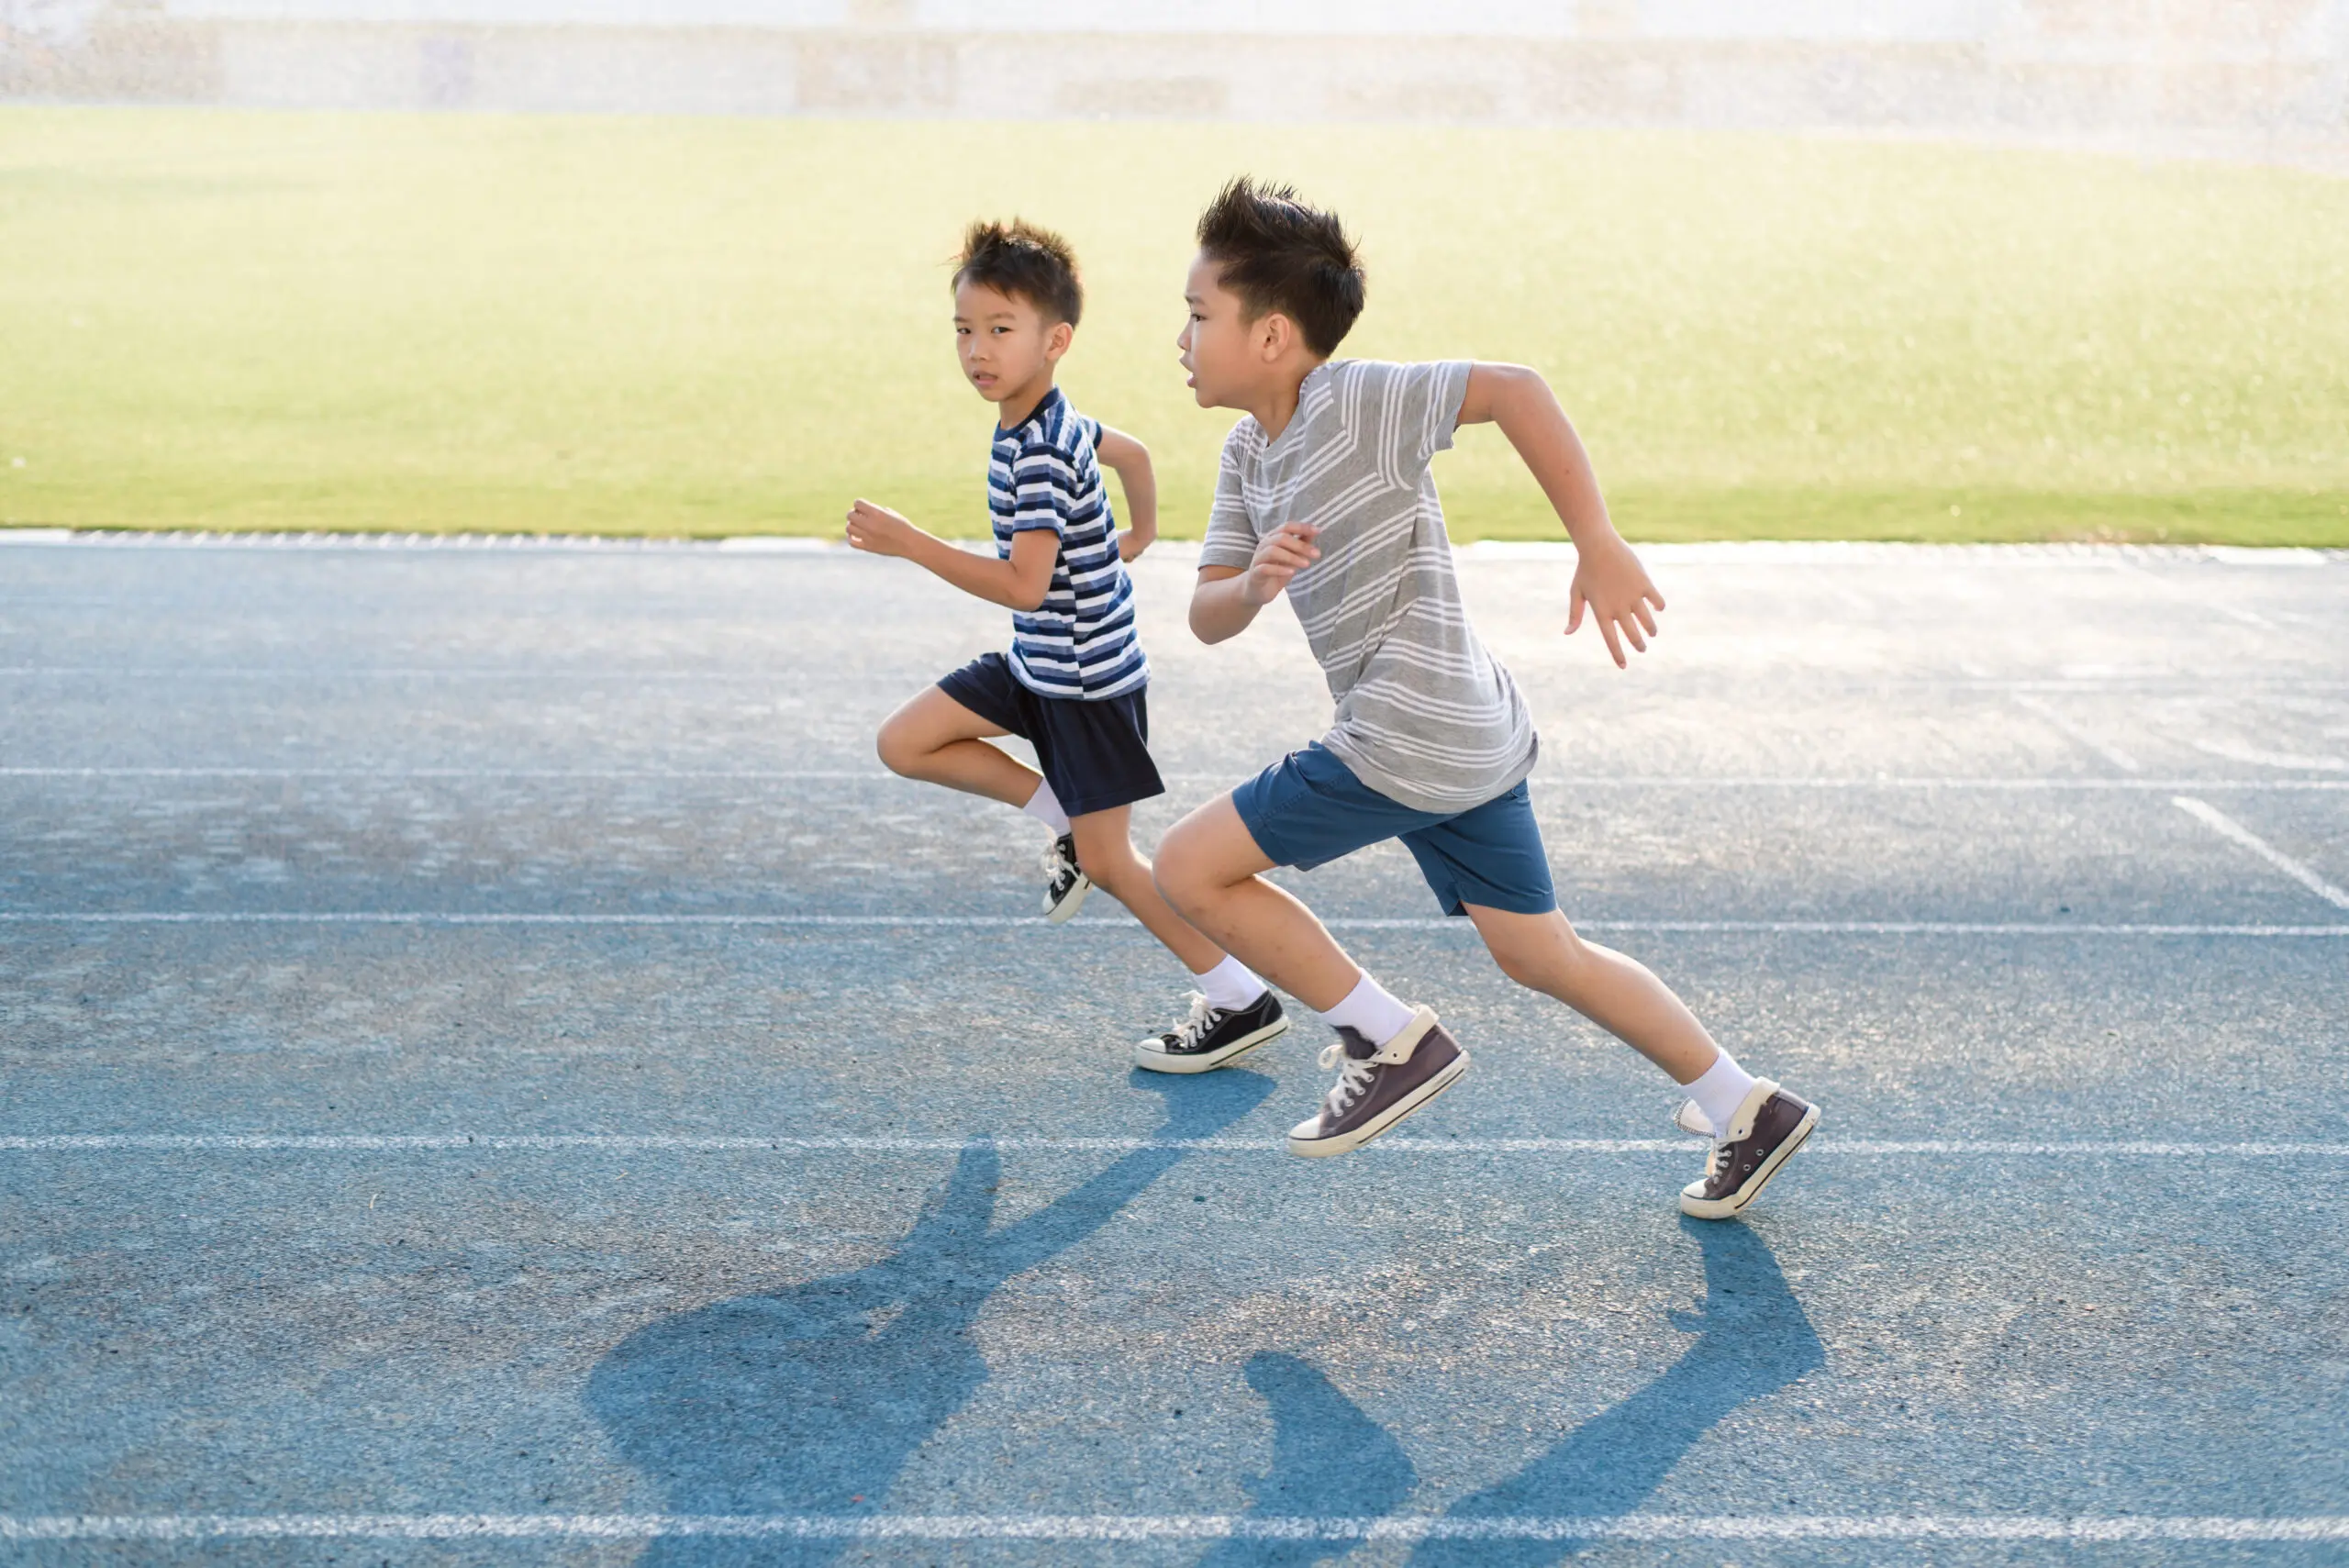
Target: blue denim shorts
1309	809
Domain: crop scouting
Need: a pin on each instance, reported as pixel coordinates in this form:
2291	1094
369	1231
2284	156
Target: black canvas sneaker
1769	1126
1065	885
1379	1085
1209	1035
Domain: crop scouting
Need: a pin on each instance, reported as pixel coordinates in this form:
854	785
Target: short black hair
1277	254
1025	261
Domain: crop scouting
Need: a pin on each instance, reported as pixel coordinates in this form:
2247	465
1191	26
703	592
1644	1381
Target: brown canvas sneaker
1770	1125
1379	1085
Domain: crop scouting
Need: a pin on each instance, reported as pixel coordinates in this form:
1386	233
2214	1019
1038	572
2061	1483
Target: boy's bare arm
1019	584
1131	460
1228	597
1608	579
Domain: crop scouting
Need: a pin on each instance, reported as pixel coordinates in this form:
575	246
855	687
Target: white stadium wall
2253	75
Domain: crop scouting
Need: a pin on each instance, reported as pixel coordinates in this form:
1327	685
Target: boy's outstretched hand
1280	556
880	531
1611	583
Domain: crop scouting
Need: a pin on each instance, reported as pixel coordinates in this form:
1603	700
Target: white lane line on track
2046	711
2227	827
872	775
1554	551
692	1143
1172	1526
2184	594
2235	751
995	922
2084	684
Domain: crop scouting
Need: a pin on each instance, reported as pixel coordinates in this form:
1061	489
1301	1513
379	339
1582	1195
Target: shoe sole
1346	1142
1208	1060
1731	1206
1065	910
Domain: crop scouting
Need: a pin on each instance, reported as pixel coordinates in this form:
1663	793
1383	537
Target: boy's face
1006	345
1234	358
1221	348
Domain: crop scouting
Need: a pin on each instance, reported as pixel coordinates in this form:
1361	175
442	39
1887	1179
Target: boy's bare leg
1208	868
1105	848
937	739
1757	1124
1619	994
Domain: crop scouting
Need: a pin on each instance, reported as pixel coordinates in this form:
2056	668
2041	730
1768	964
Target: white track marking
389	672
663	776
2151	681
1129	927
598	544
2235	751
2227	827
698	1144
2045	710
1556	552
875	775
2268	555
1173	1527
2203	600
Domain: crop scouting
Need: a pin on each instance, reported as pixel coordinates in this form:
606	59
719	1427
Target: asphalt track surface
494	1072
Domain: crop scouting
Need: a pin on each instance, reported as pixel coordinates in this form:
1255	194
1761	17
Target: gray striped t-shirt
1425	715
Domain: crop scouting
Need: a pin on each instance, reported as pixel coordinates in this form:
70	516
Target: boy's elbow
1505	395
1516	385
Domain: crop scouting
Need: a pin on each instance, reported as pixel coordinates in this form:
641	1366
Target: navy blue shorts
1309	809
1095	755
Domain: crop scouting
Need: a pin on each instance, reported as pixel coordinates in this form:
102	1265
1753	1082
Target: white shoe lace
1193	1028
1353	1075
1057	865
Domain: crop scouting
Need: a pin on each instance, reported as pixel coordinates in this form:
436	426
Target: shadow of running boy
810	1398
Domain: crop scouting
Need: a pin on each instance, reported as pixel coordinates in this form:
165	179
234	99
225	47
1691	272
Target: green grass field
702	327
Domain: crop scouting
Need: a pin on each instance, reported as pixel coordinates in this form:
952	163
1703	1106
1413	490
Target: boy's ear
1274	335
1057	340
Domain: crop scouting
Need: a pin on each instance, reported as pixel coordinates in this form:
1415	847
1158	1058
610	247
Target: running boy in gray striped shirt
1325	495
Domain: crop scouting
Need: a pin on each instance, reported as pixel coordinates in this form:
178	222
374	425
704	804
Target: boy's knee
1553	959
1537	967
1177	873
1171	886
897	748
1108	858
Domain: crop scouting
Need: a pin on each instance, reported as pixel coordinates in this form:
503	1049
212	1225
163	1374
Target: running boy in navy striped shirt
1073	683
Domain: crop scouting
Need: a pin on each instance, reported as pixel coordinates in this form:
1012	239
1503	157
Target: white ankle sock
1720	1090
1370	1011
1230	985
1045	807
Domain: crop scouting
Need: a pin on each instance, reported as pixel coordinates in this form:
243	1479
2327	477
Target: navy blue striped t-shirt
1080	643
